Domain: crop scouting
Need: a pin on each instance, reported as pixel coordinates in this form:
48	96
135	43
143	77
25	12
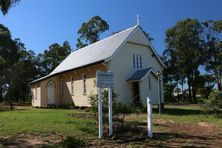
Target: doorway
136	92
51	93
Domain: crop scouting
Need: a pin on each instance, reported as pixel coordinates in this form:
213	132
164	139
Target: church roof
97	52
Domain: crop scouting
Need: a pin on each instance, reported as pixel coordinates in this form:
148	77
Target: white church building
128	54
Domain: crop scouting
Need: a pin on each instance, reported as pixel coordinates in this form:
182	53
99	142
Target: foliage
5	5
213	48
71	142
52	57
184	54
118	108
17	68
67	105
90	31
214	103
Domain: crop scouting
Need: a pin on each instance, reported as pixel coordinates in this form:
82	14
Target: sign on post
104	80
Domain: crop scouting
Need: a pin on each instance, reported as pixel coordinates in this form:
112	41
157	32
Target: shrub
118	108
94	101
214	104
67	105
71	142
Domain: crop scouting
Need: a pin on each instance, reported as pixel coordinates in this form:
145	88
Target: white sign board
104	79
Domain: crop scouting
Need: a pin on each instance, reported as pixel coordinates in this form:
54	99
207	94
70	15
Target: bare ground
167	133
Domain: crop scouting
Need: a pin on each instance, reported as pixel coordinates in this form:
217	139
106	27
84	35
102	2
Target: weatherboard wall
122	66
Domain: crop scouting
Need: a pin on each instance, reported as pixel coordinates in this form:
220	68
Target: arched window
84	84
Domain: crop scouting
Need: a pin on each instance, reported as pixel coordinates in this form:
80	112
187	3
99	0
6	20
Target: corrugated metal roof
95	52
138	75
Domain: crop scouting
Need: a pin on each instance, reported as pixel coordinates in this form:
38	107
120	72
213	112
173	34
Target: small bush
118	108
71	142
214	104
67	105
94	101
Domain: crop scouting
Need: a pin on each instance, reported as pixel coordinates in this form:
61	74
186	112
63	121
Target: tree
147	35
185	52
17	68
52	57
213	49
8	56
5	5
90	31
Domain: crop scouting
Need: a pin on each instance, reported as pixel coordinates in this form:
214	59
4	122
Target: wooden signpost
104	80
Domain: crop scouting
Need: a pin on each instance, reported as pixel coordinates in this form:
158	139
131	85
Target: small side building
128	54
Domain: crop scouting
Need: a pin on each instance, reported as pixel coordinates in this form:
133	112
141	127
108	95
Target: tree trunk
1	97
11	99
182	91
178	93
194	95
219	86
11	105
190	95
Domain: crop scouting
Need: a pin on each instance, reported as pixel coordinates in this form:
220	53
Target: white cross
137	19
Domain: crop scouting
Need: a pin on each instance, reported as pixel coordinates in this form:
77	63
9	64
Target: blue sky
39	23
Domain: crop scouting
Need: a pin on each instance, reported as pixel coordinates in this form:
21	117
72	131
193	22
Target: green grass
49	122
45	121
180	114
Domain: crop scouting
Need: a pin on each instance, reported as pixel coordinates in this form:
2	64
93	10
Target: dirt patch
32	139
127	134
199	134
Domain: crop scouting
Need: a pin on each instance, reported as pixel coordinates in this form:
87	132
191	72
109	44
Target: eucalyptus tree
5	5
52	57
185	51
213	49
90	31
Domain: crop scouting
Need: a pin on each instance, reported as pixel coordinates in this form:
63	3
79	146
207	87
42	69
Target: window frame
35	93
72	85
62	87
84	84
137	61
134	61
141	64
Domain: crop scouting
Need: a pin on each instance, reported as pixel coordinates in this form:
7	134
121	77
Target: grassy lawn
184	114
45	120
50	125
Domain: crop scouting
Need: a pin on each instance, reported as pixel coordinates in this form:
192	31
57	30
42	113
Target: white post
110	113
100	113
149	118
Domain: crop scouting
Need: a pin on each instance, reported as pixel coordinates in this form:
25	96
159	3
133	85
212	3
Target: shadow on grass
178	111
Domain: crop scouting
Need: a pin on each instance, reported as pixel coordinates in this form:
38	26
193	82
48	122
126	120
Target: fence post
100	113
149	118
110	113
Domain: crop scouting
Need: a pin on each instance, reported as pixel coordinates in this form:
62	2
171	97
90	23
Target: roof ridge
106	38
